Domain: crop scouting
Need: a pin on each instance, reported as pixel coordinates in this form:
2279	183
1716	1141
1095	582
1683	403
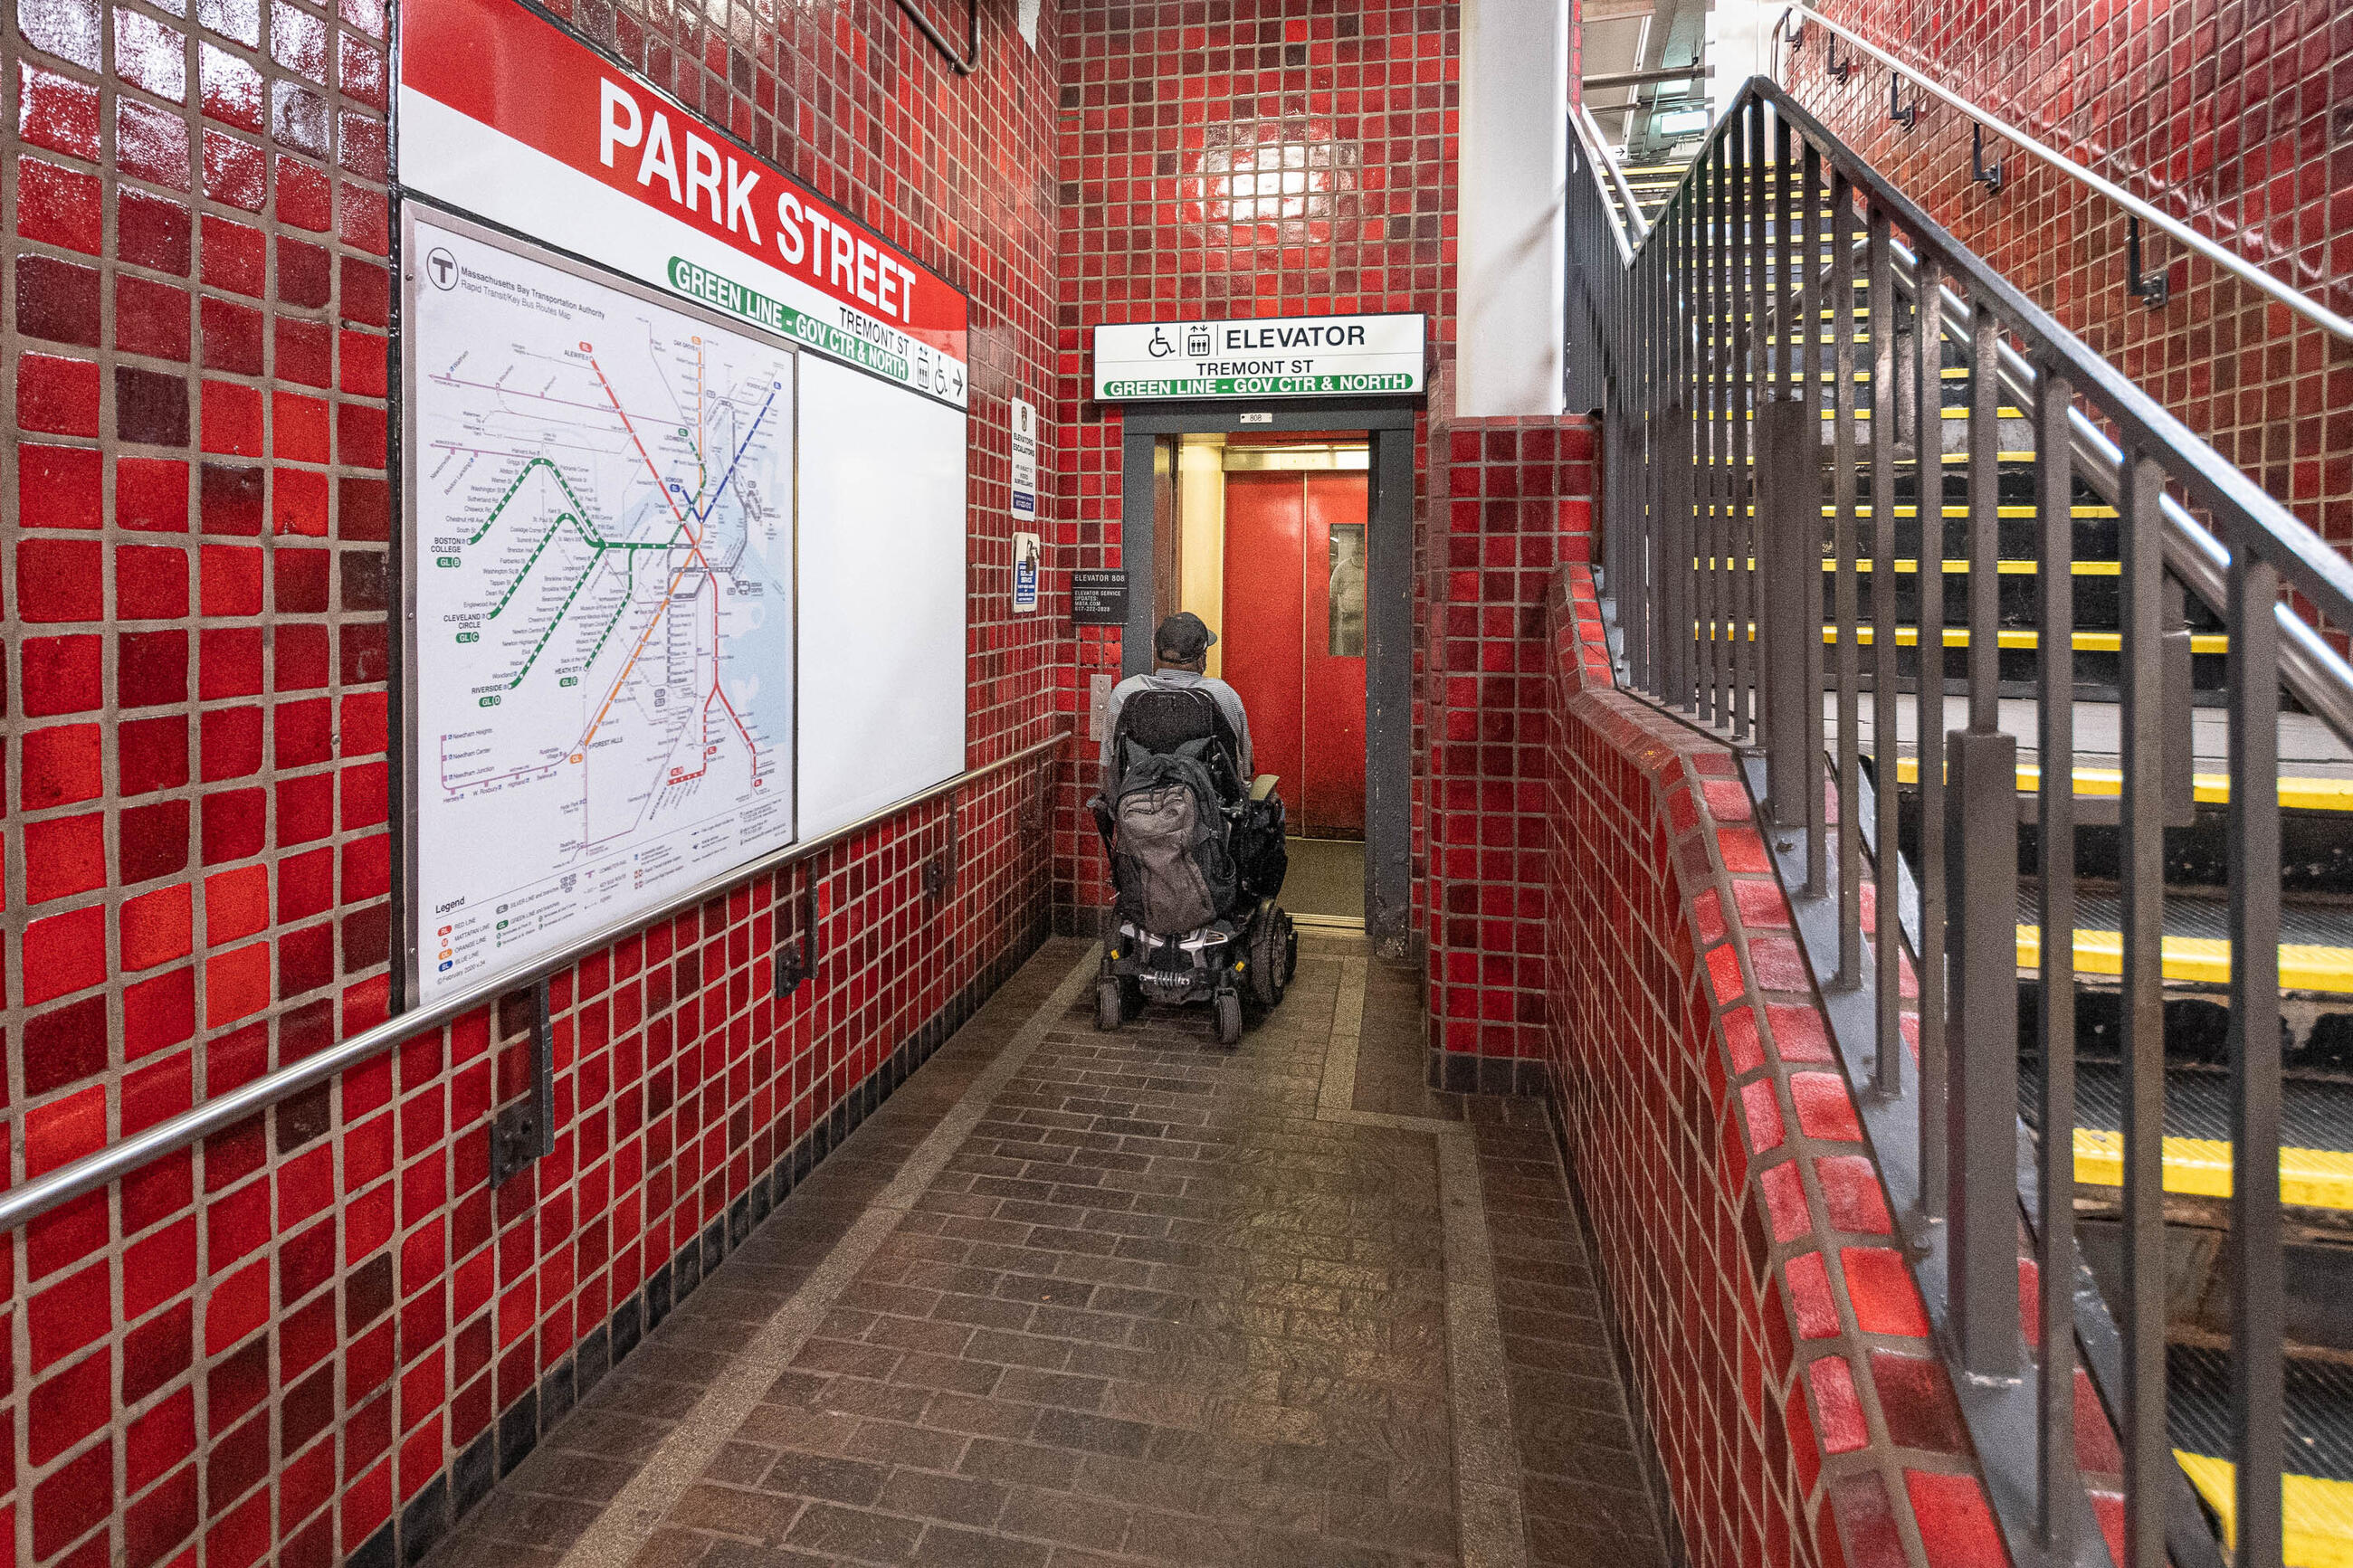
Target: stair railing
1727	360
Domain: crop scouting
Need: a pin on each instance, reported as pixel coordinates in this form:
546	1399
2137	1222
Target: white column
1509	256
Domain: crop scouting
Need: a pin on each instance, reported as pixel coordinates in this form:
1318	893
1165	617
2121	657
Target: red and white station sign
505	116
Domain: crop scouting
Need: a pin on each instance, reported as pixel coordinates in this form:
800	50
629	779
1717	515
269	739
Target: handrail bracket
525	1130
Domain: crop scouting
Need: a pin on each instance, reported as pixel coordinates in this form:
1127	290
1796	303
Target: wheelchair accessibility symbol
1160	347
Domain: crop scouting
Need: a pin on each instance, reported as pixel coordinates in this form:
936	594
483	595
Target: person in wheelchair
1196	844
1180	656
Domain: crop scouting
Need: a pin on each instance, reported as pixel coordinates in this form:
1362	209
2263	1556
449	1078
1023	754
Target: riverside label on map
600	673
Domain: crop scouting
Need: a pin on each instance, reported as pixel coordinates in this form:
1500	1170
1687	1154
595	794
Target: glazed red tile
1880	1286
58	300
151	755
58	205
56	395
60	765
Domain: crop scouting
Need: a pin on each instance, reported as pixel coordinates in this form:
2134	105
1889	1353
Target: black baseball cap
1182	639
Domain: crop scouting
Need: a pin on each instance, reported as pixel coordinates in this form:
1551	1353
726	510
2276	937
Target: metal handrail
1605	161
1600	166
119	1159
962	64
2221	256
2317	674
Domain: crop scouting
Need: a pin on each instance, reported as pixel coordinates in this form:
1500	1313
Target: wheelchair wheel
1229	1017
1111	1007
1273	951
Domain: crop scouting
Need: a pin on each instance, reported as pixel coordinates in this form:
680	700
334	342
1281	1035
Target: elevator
1289	532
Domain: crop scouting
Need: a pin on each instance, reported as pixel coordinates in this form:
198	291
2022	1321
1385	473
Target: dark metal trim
2152	290
525	1130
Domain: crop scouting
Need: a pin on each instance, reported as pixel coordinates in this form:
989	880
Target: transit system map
602	660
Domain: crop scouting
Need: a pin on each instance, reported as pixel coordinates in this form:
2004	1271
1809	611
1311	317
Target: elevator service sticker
1286	356
508	118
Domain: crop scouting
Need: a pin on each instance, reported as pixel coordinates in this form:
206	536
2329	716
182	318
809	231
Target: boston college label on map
1295	356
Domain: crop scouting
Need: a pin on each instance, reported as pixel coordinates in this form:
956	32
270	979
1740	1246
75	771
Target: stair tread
2307	747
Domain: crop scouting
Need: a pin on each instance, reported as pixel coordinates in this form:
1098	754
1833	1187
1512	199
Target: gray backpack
1170	865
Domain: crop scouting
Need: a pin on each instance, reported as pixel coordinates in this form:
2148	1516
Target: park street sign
1286	356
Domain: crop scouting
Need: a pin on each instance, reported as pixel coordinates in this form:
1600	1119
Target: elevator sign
1290	356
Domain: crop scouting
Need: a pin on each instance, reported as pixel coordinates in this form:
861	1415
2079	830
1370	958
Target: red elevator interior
1294	636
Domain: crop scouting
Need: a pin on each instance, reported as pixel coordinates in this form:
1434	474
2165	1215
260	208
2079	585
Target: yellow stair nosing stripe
2200	1167
2020	638
2316	1512
2200	960
2211	789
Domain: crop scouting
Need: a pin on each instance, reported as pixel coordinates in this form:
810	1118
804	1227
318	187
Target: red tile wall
325	1321
2231	115
1518	506
1256	158
1778	1339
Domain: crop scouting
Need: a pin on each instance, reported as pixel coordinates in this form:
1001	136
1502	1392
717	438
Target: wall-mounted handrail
119	1159
962	64
2221	256
2317	674
1626	226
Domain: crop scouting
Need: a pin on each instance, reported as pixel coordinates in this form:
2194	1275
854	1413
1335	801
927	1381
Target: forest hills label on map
602	653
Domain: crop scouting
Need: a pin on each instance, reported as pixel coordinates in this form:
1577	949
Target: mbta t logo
442	268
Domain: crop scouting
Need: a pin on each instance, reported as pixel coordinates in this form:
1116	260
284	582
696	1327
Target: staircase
2316	796
1715	259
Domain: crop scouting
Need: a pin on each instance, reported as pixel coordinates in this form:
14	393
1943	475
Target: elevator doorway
1290	535
1270	549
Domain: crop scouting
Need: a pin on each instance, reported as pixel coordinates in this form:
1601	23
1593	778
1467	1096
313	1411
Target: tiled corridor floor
1071	1299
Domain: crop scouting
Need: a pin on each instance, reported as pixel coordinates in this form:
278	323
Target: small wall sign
1024	505
1099	598
1026	553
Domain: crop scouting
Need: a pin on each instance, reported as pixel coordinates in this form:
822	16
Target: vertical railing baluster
1981	836
1723	446
1886	399
1810	370
2257	1289
1675	536
1748	385
1702	317
1846	613
1703	195
2055	1172
1928	728
2147	1456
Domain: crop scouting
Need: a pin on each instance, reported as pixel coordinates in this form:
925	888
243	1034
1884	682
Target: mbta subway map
601	680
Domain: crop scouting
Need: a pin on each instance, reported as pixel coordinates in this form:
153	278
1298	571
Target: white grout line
622	1530
1479	1391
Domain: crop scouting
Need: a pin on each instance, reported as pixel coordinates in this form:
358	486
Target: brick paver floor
1075	1300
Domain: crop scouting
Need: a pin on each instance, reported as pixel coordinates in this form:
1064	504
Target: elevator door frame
1388	426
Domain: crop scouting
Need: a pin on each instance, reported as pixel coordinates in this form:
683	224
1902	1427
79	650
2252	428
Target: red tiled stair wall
1776	1335
1261	158
1517	506
311	1338
2234	116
